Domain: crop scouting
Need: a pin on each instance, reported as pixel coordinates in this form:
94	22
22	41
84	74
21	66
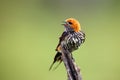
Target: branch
72	69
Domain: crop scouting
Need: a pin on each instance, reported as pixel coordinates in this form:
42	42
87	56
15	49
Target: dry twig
73	71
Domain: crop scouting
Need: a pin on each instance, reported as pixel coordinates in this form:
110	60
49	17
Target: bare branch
73	71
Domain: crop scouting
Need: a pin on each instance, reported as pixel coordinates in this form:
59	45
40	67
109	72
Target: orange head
72	24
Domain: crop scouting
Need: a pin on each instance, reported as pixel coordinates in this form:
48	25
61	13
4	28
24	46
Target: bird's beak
64	23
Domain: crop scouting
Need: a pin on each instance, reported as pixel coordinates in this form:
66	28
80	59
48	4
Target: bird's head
72	24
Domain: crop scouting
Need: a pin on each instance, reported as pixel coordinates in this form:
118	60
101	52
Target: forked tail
57	58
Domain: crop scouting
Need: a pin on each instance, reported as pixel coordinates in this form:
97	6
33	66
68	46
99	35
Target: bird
71	39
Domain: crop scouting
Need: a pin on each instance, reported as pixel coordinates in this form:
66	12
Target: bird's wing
57	57
64	34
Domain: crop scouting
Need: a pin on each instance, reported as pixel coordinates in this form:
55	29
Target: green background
29	32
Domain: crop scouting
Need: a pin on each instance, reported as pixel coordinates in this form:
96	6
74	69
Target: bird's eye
70	22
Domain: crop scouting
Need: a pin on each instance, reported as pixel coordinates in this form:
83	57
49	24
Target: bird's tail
57	58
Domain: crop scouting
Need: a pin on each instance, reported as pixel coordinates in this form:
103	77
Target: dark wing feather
64	34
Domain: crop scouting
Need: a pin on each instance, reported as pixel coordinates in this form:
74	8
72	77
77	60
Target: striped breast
73	40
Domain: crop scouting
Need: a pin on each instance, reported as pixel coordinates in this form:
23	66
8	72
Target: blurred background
29	32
